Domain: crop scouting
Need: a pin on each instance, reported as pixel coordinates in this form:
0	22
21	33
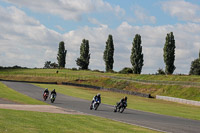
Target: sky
30	31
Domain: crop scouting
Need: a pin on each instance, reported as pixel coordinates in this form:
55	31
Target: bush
195	67
75	69
160	72
111	71
96	70
126	70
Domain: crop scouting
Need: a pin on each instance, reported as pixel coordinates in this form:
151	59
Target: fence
178	100
30	81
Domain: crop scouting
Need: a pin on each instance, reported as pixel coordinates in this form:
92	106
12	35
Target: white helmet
98	94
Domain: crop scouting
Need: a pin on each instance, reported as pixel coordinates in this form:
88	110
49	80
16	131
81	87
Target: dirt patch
39	108
5	101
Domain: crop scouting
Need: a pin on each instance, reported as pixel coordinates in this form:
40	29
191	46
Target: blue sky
31	31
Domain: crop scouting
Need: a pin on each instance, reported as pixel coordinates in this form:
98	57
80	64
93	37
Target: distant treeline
13	67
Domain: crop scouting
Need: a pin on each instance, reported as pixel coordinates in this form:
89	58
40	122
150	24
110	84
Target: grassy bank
134	102
185	86
35	122
81	74
12	95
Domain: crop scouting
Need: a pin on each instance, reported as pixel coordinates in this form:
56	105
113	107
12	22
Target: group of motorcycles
119	107
52	97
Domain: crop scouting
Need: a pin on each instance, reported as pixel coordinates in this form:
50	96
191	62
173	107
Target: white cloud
141	15
29	43
68	9
183	10
59	27
23	39
94	21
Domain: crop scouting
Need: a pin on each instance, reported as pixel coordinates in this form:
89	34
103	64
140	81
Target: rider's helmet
46	89
54	90
98	94
125	97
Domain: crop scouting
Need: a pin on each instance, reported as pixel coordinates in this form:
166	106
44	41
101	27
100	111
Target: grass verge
189	90
134	102
36	122
12	95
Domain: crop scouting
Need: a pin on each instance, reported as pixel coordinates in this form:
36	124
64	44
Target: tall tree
137	55
199	54
195	66
61	55
108	54
47	64
169	53
83	61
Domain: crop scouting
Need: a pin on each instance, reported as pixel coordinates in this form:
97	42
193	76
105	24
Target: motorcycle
45	96
52	97
120	107
95	105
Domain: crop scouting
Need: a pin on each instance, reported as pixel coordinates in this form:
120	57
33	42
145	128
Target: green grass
81	74
185	92
12	95
134	102
12	121
187	87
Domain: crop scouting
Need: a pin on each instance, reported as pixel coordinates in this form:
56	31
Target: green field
181	86
69	74
12	121
134	102
12	95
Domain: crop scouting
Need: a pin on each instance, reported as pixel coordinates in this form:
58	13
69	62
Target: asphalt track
144	119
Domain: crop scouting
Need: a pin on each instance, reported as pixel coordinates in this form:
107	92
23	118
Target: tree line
136	57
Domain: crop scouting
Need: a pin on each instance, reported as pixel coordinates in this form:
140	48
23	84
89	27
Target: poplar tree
61	55
169	53
108	54
136	57
83	61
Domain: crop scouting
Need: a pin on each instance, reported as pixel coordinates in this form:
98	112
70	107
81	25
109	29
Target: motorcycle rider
46	91
53	92
96	98
123	100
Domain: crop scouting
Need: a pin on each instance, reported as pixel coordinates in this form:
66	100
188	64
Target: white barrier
178	100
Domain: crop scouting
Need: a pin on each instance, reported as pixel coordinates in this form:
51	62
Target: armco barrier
178	100
81	85
110	89
30	81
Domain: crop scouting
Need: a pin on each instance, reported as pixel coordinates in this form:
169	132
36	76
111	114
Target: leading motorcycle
95	105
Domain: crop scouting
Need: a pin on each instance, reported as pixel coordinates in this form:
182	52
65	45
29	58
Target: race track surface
145	119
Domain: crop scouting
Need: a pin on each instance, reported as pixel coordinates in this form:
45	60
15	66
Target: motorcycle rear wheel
96	106
121	110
